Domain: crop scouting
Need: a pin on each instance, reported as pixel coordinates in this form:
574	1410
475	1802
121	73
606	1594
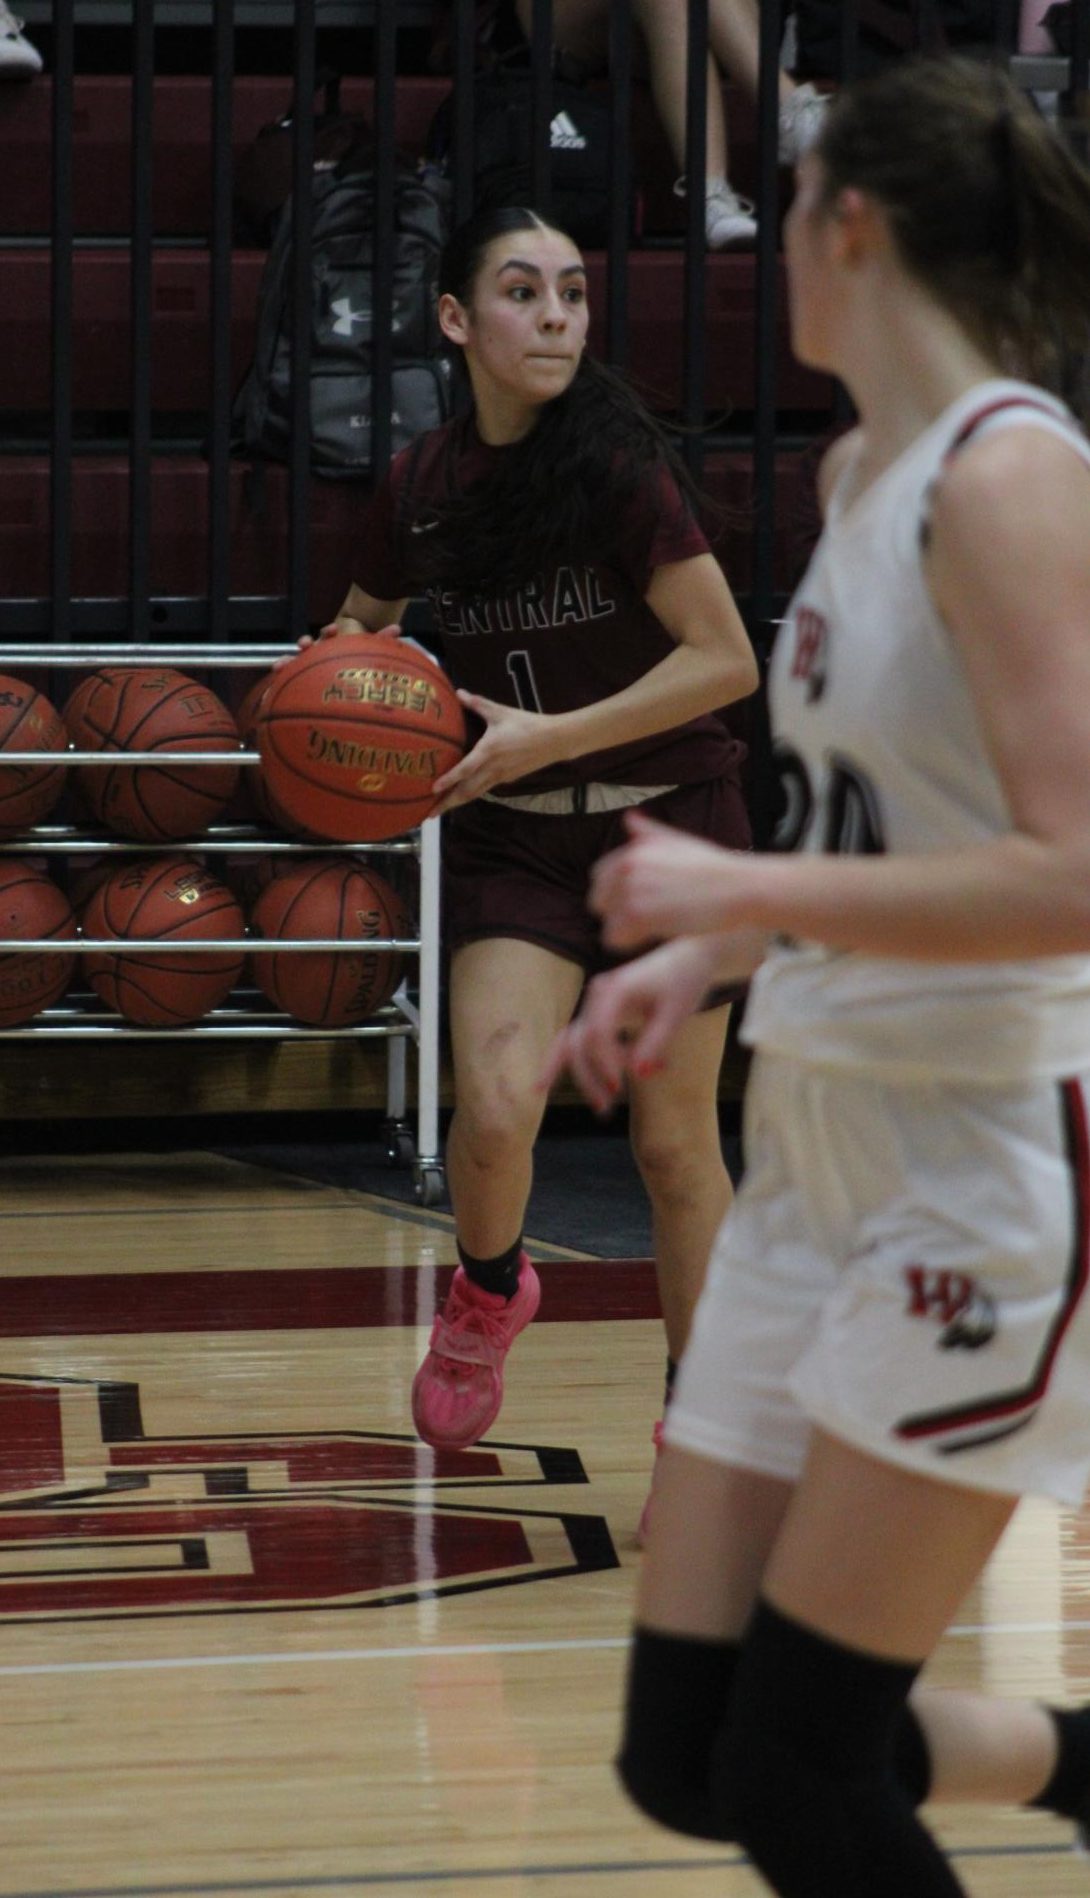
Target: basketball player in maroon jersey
596	641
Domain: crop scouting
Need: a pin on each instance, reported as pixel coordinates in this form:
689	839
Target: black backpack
341	317
579	176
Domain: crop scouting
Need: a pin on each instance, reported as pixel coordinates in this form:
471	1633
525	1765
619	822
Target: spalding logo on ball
353	732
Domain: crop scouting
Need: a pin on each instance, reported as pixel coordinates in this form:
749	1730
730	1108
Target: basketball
353	732
28	722
143	708
342	901
32	908
168	899
254	787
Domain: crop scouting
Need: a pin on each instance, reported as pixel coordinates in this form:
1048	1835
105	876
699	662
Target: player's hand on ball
662	883
629	1017
513	744
331	631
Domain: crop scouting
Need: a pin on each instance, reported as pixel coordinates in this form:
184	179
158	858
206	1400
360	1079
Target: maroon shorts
516	873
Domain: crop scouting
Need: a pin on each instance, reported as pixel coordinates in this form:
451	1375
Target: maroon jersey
570	636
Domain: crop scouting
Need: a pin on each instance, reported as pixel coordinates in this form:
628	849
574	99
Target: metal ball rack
245	1015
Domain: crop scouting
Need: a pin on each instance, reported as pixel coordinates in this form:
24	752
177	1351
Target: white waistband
580	800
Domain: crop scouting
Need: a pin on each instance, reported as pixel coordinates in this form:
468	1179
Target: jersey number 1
522	678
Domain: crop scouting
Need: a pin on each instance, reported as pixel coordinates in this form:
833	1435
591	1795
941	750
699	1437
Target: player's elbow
738	675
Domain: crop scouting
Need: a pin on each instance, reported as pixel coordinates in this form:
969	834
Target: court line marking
479	1874
445	1651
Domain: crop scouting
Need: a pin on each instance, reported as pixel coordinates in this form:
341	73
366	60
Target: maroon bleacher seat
181	173
101	354
259	543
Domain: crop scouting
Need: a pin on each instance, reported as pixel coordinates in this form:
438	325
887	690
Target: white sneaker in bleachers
18	58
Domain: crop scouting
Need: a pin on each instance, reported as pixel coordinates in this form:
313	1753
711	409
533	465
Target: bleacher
101	356
180	297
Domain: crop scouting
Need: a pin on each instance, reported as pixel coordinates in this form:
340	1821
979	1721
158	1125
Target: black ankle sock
671	1374
499	1275
1068	1791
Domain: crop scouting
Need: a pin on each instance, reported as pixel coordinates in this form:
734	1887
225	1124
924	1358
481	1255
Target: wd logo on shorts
955	1301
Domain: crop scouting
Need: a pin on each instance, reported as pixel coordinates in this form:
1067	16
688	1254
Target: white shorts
906	1267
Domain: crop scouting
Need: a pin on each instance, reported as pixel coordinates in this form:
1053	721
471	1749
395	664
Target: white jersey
882	751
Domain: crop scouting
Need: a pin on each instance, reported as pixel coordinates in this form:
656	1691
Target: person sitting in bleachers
581	32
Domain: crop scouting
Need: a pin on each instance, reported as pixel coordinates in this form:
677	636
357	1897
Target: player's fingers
638	824
608	879
595	1082
607	1023
648	1054
302	643
623	927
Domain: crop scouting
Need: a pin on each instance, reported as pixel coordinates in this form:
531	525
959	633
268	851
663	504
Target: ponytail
989	207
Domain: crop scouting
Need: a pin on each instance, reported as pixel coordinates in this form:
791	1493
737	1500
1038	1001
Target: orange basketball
32	908
353	732
265	807
28	722
144	708
341	901
170	899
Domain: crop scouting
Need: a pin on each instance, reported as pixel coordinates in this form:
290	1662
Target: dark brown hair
989	207
559	494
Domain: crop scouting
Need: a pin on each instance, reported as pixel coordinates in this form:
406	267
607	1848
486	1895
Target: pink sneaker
644	1528
458	1389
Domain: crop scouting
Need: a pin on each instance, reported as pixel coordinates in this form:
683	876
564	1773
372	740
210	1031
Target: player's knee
810	1822
651	1777
804	1772
755	1786
670	1165
497	1119
678	1689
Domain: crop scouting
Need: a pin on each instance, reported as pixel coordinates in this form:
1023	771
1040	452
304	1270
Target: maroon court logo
98	1520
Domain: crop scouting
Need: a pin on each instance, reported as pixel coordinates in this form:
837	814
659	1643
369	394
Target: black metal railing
143	605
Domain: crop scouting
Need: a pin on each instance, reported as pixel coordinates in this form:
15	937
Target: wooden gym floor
255	1639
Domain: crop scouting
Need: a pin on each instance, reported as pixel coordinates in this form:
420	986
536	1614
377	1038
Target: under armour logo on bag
346	316
564	135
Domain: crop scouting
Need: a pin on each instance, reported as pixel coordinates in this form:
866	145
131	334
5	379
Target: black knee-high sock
499	1275
1068	1791
804	1774
678	1691
676	1702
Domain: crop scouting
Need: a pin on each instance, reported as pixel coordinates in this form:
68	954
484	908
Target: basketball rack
408	1017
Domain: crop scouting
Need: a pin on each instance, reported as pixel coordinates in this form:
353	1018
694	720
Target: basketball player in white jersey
894	1341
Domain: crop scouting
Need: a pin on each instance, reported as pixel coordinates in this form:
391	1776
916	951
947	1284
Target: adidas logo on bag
564	135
